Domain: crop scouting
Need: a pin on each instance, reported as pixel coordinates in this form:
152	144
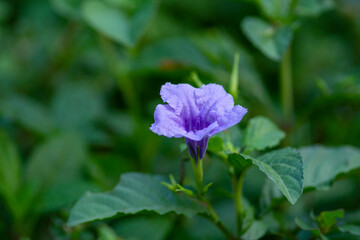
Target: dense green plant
79	82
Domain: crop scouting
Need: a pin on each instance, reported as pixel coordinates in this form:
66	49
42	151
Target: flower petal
181	98
167	123
229	119
213	101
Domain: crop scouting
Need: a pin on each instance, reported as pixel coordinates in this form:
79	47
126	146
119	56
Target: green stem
238	185
286	86
198	174
214	218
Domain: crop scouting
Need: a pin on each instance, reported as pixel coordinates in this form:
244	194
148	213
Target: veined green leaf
285	168
136	192
261	133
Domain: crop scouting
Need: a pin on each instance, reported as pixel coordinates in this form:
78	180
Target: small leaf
323	164
327	219
307	227
256	231
136	192
261	133
271	41
353	229
285	168
115	23
304	226
313	8
276	9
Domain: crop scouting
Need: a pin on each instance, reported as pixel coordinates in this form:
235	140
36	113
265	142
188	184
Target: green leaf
313	8
10	173
271	41
57	160
169	53
107	233
239	162
231	139
10	166
153	226
136	192
304	226
276	9
285	168
215	144
270	194
315	231
327	219
353	229
109	21
261	133
29	113
323	164
67	8
116	23
256	231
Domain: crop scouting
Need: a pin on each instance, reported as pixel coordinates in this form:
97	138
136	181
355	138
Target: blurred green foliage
80	79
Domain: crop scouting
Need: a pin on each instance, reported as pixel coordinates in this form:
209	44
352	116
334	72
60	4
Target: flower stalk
198	174
214	218
238	186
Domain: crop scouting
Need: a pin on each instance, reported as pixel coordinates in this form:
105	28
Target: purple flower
196	114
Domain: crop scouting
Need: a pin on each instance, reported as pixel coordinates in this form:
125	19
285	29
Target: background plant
79	82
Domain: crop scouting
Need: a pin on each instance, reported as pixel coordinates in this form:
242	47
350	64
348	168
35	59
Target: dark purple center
197	149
